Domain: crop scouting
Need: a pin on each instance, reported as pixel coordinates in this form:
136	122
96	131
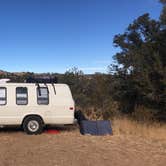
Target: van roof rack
42	79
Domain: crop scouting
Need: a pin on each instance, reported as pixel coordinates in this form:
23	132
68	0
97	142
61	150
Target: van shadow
61	128
11	129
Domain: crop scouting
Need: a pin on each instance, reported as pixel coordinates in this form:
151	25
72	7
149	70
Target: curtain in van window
21	96
2	96
42	95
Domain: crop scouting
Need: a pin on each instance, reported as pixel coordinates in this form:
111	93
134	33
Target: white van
34	105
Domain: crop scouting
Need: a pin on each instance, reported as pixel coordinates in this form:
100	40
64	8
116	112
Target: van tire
33	125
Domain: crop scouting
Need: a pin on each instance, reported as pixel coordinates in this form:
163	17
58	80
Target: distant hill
22	76
6	73
3	72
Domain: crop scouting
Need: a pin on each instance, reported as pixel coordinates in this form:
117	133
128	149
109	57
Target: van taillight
71	108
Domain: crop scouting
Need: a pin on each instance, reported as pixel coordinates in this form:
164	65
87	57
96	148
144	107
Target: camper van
34	105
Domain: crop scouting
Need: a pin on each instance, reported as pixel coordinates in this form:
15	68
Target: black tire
31	121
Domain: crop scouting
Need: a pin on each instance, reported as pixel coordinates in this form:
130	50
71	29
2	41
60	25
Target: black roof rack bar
43	80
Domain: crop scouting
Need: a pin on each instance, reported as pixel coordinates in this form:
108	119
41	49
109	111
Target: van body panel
56	112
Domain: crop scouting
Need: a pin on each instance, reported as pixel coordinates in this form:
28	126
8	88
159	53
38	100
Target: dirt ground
69	148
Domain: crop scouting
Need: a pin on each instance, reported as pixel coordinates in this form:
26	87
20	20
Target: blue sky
56	35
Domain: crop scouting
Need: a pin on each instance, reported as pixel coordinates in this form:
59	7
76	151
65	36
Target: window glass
42	95
21	96
2	96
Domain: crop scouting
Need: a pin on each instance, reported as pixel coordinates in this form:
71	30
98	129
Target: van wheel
33	125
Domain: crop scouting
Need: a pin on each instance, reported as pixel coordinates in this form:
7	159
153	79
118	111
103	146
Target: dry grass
128	146
125	126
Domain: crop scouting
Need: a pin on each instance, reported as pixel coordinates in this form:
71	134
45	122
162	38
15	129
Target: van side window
21	96
42	96
3	96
